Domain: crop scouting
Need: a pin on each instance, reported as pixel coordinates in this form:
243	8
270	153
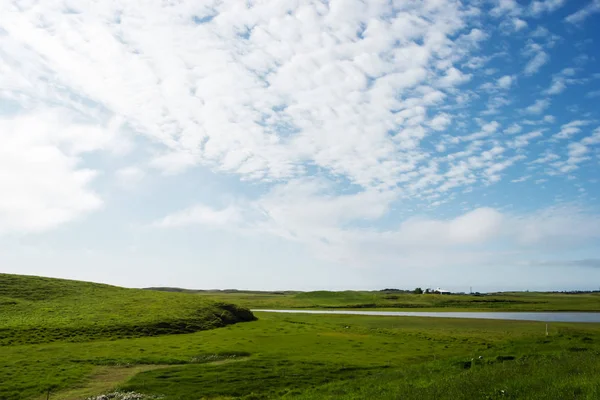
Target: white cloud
261	91
521	179
513	129
470	228
591	8
546	158
593	139
540	32
536	62
495	103
560	81
519	24
505	82
523	140
505	7
569	129
487	129
415	237
440	122
566	224
453	77
42	182
539	7
558	86
538	106
511	25
577	151
338	112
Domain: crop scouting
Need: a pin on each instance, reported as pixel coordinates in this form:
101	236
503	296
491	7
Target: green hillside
38	310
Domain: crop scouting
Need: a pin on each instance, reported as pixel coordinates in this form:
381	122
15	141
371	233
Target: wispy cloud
561	80
523	140
513	129
506	7
571	128
593	94
521	179
591	8
538	106
505	82
417	236
546	158
538	7
536	62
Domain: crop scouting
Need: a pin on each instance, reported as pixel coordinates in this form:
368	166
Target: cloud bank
366	131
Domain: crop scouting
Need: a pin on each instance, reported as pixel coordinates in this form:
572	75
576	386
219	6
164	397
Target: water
520	316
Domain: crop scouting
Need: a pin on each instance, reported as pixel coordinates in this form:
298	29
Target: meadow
296	356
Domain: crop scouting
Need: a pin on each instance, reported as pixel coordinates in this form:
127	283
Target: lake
520	316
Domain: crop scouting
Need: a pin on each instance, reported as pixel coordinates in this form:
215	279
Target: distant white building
442	291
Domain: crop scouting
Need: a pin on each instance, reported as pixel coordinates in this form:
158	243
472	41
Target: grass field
297	356
521	301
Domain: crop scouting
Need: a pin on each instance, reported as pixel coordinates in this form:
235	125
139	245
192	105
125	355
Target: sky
303	145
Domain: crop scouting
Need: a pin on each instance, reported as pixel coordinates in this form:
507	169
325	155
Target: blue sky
302	144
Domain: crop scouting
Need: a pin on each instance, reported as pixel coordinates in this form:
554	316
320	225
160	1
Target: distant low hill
181	290
36	310
404	300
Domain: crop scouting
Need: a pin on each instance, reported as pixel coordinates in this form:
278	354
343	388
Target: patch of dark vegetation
464	364
297	322
505	358
578	349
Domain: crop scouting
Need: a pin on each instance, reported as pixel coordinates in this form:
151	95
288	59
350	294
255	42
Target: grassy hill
38	310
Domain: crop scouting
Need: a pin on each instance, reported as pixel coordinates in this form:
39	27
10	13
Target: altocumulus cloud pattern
395	134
